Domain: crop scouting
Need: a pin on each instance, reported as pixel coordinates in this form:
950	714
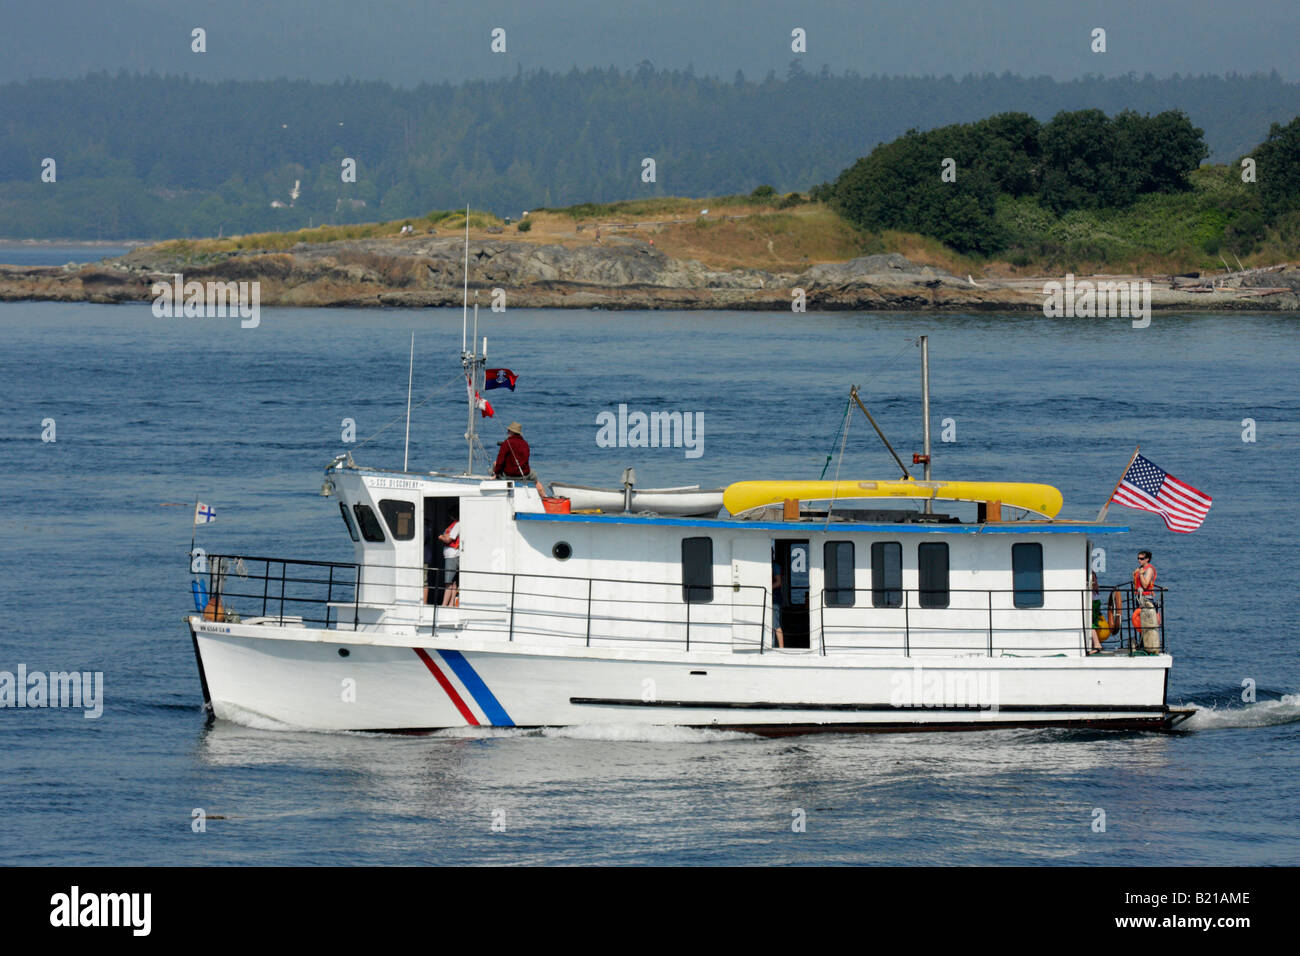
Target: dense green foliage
947	182
1278	169
150	156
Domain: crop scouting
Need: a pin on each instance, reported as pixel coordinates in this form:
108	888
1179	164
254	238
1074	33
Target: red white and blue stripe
472	697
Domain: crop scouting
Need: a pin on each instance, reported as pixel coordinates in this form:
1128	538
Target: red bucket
557	506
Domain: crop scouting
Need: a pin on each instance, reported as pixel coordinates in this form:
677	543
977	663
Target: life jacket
1137	581
455	542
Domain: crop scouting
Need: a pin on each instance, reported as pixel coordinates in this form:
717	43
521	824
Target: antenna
464	306
925	411
410	371
853	394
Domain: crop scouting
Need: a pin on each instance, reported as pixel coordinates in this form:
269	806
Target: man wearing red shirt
512	459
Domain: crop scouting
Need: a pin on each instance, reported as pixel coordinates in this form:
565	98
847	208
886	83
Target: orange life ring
1137	619
1114	611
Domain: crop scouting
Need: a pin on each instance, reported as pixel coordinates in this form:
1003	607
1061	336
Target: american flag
1148	487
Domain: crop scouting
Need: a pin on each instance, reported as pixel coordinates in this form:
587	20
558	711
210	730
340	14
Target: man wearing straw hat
512	459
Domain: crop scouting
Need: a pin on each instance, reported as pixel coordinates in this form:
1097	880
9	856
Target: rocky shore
620	273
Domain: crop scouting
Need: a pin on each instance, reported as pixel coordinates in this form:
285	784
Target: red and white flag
1147	487
481	403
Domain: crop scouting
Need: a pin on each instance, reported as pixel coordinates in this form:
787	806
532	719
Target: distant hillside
156	157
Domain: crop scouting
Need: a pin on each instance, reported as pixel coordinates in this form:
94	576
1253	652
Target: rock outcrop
620	273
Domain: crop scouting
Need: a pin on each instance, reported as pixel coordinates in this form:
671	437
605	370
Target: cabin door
437	516
793	559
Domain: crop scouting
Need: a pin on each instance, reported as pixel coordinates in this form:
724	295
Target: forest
149	156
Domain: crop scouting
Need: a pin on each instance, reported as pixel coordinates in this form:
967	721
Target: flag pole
194	530
1101	515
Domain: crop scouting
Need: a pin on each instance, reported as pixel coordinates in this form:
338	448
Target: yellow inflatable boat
1041	499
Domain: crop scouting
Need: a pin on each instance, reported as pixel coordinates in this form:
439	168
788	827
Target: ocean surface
150	414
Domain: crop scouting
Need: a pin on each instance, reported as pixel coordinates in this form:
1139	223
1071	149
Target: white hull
296	678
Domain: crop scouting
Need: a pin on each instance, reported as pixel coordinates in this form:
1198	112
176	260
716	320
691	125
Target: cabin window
369	524
839	573
697	570
886	574
400	516
347	520
1027	574
932	574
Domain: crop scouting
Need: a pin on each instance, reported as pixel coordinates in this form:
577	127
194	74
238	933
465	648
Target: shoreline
620	275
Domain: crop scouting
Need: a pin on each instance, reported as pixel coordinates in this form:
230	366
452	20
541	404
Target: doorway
437	516
792	557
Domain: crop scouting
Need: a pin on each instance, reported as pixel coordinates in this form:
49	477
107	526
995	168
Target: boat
904	619
688	500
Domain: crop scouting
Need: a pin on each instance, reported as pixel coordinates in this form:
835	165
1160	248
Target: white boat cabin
887	583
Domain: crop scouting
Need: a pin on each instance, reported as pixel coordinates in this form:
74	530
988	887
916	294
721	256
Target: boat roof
814	524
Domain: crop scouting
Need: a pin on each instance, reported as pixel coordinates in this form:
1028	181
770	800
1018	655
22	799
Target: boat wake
1263	713
616	732
251	718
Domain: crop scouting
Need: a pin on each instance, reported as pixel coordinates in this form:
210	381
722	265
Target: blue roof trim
1012	528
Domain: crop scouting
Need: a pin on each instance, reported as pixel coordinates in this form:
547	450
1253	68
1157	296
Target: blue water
151	412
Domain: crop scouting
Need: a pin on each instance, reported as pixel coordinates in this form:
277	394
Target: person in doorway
776	604
451	561
430	575
512	459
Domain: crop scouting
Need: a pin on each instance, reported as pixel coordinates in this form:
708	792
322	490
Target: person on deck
512	459
1097	619
1144	577
1144	590
776	605
450	560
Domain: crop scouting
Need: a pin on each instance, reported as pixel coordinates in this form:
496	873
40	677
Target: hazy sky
409	41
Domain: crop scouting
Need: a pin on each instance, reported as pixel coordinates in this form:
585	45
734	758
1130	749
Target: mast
469	358
474	364
464	307
925	411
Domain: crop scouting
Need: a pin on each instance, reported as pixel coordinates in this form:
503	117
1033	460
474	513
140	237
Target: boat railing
605	611
330	594
906	619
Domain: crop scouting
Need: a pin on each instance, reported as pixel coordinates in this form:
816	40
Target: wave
644	733
633	733
1263	713
251	718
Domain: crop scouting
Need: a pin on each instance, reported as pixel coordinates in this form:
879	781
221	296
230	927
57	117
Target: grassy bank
1193	231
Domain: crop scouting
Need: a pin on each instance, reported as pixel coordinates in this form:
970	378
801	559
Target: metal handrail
1132	635
480	599
328	586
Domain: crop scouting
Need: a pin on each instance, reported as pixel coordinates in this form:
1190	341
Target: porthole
562	551
344	652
